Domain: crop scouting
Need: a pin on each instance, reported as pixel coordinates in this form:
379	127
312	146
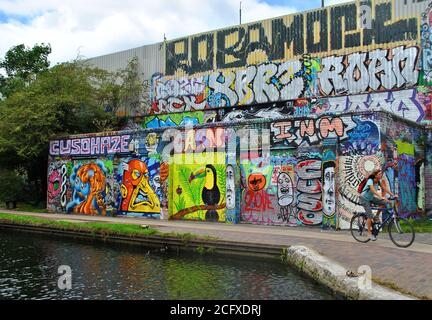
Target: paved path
408	269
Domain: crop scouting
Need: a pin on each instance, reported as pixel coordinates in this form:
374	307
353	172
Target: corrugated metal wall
334	30
150	60
358	26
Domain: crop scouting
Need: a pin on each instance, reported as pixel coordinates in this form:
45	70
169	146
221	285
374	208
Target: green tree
69	98
132	94
11	186
21	65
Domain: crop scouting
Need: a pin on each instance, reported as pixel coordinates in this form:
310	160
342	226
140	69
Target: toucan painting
210	194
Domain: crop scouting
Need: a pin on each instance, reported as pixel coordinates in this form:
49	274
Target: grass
395	287
28	208
97	227
422	225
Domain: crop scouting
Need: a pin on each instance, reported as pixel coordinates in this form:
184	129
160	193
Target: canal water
29	270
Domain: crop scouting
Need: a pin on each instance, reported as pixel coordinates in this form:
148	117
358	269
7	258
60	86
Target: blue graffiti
407	184
217	100
364	139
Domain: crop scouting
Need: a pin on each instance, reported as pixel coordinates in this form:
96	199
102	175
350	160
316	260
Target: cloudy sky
96	27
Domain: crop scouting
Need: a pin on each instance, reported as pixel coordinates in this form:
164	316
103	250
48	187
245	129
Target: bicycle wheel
359	228
401	232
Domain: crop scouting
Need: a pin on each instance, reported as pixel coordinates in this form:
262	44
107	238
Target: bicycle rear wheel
401	232
359	228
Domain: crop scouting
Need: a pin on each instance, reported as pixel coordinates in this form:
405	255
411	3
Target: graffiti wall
339	29
274	122
355	73
269	190
184	119
290	171
404	154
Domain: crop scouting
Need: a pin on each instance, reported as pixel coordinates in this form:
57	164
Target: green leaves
11	185
22	65
69	98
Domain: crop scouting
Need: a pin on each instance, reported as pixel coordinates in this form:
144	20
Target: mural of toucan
210	194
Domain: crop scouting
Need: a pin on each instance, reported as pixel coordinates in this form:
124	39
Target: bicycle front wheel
401	232
359	228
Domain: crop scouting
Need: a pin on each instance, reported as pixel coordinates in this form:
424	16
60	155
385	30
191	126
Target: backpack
363	183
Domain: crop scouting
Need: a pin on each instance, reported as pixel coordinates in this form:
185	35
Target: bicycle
400	230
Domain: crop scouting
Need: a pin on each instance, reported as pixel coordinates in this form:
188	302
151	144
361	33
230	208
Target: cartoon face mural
136	192
285	190
89	189
151	143
329	195
156	180
230	187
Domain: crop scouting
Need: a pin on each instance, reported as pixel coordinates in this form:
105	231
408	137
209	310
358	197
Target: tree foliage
21	65
11	186
69	98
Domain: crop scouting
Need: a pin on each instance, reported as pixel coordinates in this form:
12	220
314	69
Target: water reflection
29	265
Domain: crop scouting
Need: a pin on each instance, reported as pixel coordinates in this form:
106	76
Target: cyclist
370	195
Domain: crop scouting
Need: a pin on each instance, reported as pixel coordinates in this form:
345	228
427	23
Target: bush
11	186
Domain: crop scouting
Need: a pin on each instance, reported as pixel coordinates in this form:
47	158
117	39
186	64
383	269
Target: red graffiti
258	201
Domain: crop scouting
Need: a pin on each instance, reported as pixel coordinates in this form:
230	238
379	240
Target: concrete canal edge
334	276
308	262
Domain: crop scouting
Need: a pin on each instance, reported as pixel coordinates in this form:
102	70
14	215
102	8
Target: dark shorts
367	205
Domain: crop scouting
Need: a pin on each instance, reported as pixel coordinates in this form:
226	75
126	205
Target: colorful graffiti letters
311	131
90	146
350	74
309	188
286	37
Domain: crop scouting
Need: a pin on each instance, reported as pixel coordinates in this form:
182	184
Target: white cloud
99	27
333	2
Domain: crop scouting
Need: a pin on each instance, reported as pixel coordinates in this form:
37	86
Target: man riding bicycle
370	195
